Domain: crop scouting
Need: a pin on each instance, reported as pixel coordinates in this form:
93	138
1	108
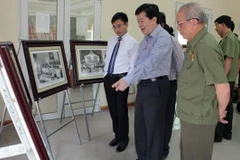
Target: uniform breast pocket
191	77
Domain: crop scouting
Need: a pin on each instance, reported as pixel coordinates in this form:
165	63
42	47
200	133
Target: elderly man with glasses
203	89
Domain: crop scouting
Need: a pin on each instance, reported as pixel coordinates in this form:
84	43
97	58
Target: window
42	19
82	19
59	20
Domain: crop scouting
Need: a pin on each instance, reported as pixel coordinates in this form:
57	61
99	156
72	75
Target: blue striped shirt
177	60
154	57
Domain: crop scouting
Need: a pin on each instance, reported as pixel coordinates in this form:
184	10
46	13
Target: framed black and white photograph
47	67
8	48
88	61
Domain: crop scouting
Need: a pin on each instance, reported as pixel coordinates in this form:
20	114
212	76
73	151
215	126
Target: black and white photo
88	61
47	67
91	62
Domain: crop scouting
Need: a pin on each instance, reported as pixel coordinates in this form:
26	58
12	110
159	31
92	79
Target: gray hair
194	10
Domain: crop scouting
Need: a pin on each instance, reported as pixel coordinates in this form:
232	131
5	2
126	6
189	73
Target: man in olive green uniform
230	48
238	104
203	90
232	29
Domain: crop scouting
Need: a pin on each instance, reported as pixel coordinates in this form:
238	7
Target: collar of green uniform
197	37
228	33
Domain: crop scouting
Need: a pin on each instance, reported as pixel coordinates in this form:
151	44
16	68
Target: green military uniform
197	105
238	105
230	47
239	49
202	68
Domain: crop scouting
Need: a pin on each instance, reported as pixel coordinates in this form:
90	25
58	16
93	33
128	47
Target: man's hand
222	115
223	96
120	85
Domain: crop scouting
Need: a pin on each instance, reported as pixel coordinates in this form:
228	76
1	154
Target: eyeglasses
117	26
184	21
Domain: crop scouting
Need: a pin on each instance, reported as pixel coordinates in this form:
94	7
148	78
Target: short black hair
224	19
151	11
120	15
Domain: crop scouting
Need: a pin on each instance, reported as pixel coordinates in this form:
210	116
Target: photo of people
91	63
47	68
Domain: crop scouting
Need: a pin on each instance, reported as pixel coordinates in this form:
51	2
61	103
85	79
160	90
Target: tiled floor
65	143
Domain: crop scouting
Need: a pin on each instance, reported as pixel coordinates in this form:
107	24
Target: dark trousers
117	104
150	105
226	129
170	110
196	141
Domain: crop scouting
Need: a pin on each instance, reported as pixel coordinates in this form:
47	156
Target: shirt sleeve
228	47
133	54
239	49
178	56
211	61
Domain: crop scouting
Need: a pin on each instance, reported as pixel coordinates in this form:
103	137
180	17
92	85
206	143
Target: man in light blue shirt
151	74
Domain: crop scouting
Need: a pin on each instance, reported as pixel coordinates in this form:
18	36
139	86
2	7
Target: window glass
82	19
42	20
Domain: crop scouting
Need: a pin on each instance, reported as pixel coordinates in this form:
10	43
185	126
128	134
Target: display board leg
95	98
85	113
73	117
45	137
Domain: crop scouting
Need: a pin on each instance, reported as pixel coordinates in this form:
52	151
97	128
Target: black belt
152	79
120	75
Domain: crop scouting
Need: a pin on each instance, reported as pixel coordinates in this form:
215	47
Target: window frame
63	33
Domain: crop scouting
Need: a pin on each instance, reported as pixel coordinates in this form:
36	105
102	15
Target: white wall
9	29
218	7
9	11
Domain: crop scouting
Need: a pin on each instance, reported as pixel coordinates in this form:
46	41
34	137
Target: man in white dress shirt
121	53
